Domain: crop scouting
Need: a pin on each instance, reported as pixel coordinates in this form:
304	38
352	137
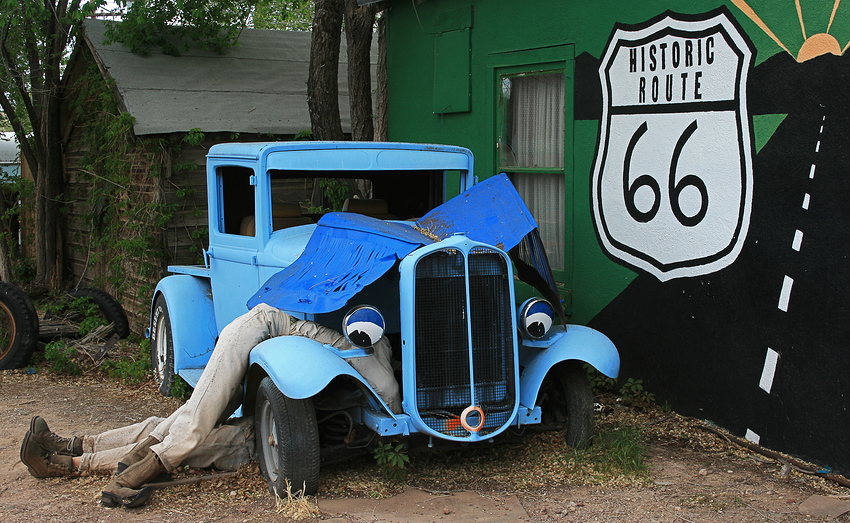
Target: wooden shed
136	131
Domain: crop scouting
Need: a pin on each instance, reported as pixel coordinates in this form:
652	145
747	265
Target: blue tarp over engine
349	251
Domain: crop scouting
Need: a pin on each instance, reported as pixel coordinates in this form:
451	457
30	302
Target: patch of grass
295	506
617	450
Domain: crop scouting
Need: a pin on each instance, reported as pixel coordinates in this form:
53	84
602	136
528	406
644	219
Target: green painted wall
443	56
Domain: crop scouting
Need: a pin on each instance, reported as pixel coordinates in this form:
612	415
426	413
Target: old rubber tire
162	347
566	400
111	310
287	441
18	327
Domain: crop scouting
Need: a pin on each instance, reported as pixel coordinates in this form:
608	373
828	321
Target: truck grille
447	379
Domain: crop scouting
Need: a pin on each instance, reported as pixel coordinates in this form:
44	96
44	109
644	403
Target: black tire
566	400
162	347
109	308
18	327
287	441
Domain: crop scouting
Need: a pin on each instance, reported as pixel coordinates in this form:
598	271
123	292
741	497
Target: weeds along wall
133	204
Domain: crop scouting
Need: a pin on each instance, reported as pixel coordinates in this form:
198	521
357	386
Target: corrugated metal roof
257	86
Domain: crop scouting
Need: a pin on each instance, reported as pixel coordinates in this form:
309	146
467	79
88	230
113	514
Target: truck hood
347	252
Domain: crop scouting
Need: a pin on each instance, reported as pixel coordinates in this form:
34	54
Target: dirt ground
688	481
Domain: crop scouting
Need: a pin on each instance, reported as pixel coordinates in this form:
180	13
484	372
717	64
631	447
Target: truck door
234	242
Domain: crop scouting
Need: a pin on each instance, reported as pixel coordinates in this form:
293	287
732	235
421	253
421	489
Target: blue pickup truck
441	275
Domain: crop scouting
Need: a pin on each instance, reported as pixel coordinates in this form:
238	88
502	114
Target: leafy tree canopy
206	24
288	15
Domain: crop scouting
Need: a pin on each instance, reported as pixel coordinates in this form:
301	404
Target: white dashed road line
785	293
817	147
812	172
798	240
769	370
752	436
806	200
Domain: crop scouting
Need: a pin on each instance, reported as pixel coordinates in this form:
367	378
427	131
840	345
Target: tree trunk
381	92
359	21
49	183
322	82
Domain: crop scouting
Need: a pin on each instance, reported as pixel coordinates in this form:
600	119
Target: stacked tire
18	327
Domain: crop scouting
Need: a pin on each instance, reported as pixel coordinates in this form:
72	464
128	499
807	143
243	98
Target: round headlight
536	316
363	326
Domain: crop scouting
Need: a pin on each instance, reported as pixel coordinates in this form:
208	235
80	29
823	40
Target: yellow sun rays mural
804	29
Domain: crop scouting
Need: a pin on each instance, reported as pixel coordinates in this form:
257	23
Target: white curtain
535	139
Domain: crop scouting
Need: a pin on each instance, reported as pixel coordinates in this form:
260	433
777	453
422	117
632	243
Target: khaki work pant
228	446
189	426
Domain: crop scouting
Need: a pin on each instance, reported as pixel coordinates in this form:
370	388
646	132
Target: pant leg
194	420
376	369
228	447
121	437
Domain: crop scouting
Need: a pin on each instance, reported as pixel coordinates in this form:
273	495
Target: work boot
126	488
51	442
136	454
43	464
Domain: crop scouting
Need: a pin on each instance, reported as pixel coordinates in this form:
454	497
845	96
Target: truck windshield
388	195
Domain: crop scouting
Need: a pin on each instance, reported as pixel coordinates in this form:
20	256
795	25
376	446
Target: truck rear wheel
287	441
18	327
162	347
566	400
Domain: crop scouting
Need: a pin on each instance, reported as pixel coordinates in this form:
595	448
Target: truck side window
237	200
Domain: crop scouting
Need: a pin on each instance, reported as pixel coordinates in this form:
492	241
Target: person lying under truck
184	431
228	447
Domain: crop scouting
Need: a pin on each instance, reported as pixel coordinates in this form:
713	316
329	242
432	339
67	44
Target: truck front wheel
162	347
566	400
287	441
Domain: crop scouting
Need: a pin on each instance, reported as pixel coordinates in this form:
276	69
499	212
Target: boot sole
107	499
24	445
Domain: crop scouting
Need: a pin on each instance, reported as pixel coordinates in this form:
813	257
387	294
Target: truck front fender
300	368
574	342
193	327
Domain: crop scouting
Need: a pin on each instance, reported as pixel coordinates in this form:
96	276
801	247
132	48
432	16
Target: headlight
363	326
535	318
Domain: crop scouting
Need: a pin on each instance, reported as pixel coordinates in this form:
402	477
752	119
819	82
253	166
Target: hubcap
268	437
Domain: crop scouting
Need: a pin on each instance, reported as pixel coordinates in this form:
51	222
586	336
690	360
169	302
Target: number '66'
674	189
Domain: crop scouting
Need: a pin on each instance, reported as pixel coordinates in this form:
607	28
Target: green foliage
391	457
180	389
174	26
288	15
15	197
81	310
131	370
335	192
91	323
635	395
303	135
194	137
598	381
62	358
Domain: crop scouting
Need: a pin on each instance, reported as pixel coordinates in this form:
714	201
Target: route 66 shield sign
672	180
